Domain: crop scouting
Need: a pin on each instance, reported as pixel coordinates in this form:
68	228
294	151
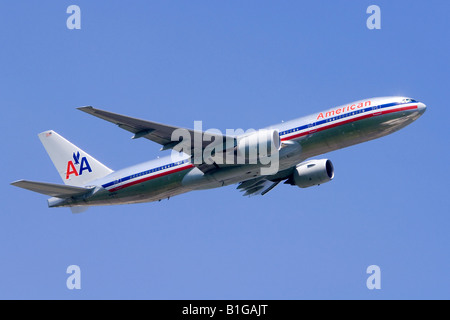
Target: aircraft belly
147	191
355	132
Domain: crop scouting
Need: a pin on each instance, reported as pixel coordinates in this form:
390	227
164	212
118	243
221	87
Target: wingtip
85	108
15	183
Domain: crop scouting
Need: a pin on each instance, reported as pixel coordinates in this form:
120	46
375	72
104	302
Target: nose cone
422	107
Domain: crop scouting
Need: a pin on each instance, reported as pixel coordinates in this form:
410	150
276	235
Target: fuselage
304	137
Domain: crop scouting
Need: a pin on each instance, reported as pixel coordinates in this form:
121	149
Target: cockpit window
408	100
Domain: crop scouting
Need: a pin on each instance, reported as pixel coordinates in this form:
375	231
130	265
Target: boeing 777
288	146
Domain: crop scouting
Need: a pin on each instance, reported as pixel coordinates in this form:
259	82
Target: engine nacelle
312	173
260	144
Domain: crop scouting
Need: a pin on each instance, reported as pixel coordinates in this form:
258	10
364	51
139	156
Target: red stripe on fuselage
365	116
151	177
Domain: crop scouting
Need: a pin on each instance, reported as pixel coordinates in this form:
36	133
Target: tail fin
76	167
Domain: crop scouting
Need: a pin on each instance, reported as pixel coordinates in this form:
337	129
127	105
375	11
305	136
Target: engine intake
313	173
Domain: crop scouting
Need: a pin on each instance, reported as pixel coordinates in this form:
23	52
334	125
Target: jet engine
312	173
260	144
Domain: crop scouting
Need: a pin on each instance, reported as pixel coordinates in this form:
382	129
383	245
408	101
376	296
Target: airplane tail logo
76	157
71	169
76	168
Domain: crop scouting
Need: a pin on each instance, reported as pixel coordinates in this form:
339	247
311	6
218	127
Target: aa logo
71	169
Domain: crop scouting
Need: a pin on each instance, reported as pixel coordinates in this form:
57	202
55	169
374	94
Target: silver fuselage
303	138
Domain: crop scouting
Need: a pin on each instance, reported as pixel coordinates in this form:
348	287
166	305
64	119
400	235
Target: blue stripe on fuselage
144	173
338	117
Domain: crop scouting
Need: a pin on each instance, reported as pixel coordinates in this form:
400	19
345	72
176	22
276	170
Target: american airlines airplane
288	145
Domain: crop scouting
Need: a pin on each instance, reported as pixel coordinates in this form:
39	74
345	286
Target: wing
257	186
189	141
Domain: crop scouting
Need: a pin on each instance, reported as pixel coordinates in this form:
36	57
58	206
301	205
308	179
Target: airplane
90	183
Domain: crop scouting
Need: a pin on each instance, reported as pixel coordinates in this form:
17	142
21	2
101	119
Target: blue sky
231	64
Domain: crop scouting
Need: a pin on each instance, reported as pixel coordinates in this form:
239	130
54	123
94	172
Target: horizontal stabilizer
51	189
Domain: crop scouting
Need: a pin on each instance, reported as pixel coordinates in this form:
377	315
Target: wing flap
257	186
51	189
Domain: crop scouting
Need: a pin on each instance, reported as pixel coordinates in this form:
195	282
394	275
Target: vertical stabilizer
76	167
